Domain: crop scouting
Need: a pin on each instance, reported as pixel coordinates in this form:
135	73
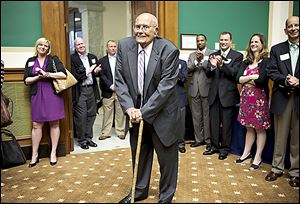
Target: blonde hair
42	40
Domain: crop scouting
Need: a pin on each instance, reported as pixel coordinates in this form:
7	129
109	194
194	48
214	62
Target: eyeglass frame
143	27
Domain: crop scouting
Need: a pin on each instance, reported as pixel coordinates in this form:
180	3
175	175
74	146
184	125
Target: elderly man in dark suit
146	76
223	95
284	71
85	93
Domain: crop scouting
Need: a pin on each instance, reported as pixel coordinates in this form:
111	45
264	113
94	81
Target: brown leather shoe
122	137
294	181
272	176
103	137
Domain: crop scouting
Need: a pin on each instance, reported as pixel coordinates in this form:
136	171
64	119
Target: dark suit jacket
49	68
106	77
161	106
223	83
182	78
262	80
278	69
78	70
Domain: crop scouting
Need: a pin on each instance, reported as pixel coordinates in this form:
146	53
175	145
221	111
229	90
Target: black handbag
11	152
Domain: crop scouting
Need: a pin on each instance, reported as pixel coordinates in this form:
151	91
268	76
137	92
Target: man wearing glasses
146	76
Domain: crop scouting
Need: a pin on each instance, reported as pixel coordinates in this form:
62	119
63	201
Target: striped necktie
141	71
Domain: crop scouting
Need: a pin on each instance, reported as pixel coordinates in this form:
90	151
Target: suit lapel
132	60
107	65
287	63
151	65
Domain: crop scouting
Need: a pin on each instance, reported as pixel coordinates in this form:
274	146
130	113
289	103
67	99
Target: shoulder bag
63	84
11	152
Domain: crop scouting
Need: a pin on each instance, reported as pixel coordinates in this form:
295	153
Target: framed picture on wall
188	42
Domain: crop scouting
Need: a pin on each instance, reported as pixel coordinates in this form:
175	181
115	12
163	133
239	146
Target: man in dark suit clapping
85	93
223	95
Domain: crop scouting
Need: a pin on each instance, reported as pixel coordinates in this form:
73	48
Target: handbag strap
54	66
7	133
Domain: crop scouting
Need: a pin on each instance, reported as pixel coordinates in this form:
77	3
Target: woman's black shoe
239	161
255	166
53	163
33	164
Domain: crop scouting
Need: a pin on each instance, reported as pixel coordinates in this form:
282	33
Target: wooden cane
137	156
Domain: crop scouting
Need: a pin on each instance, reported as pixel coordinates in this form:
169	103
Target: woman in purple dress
254	111
46	105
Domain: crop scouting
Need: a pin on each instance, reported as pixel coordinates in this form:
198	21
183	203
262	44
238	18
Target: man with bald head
284	71
146	76
85	93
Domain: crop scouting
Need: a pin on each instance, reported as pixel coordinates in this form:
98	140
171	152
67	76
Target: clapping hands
216	61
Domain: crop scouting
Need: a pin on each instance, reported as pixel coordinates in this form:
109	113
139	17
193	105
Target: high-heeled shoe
33	164
53	163
239	161
255	166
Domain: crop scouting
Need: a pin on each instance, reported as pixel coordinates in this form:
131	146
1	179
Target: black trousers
84	112
221	123
167	158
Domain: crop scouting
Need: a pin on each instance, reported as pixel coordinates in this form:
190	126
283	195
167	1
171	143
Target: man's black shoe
272	176
181	149
197	144
294	181
165	201
84	146
222	156
210	152
127	199
92	144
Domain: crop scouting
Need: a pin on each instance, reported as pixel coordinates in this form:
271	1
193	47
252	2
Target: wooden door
55	20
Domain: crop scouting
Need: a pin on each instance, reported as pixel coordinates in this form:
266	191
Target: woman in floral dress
254	111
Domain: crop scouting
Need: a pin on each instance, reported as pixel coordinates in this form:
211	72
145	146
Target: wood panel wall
55	20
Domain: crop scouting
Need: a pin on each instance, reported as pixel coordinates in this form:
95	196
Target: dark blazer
262	80
49	68
161	106
223	82
278	69
182	78
78	70
106	77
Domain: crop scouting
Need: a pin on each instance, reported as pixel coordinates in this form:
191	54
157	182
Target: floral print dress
254	109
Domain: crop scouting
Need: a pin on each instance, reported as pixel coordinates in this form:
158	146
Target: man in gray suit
198	90
156	103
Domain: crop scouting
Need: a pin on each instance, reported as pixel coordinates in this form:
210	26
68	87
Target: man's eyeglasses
145	28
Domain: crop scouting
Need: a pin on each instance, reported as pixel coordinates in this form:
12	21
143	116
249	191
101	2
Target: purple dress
46	105
254	109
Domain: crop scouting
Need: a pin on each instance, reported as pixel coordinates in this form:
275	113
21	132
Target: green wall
296	8
21	23
241	18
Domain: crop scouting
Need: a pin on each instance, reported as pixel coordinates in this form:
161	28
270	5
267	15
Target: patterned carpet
105	176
